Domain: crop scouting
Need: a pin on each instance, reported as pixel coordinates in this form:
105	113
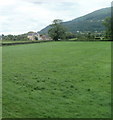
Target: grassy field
57	80
0	82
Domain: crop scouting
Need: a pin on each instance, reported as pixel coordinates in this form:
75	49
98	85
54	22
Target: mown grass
0	82
57	80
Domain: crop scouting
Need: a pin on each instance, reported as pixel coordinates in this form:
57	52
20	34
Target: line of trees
15	37
58	31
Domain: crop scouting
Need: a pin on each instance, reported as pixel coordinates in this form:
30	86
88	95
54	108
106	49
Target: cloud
21	16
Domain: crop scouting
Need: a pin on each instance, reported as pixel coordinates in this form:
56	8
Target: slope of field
57	80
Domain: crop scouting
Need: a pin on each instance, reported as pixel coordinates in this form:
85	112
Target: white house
34	36
37	36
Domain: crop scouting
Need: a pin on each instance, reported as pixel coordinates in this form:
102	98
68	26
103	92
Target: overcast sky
21	16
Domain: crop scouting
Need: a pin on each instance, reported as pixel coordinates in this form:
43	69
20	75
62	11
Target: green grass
0	82
57	80
7	41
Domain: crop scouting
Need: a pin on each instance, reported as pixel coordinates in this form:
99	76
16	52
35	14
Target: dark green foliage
90	35
70	35
57	31
112	20
107	24
36	38
22	37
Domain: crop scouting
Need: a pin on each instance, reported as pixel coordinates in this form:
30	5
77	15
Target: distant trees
70	35
57	30
90	35
107	24
22	37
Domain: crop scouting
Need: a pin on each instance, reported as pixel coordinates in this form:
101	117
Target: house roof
32	34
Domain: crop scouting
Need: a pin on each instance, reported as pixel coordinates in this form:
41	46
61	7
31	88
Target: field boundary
20	43
30	42
88	40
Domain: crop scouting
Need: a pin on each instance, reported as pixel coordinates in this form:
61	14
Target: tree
70	35
90	35
36	38
107	24
57	30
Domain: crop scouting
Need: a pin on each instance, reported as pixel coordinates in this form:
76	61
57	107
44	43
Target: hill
90	22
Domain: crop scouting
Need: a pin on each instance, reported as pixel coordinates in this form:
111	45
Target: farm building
0	37
34	36
45	37
37	36
99	38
